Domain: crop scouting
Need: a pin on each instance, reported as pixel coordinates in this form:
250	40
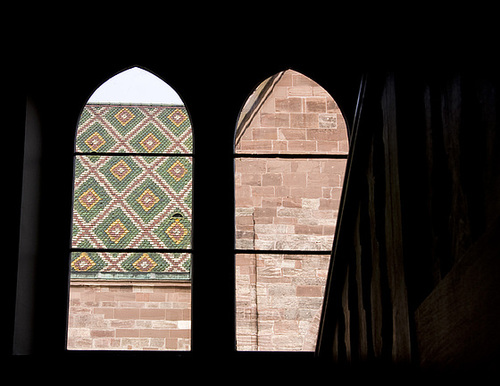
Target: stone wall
278	301
298	116
286	204
129	316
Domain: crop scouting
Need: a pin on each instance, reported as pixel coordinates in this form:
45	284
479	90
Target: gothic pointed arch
290	154
132	215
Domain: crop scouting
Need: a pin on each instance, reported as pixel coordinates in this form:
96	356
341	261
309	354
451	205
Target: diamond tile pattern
122	202
134	194
130	265
134	129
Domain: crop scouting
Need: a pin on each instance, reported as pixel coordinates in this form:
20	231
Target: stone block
315	105
264	134
327	121
309	291
278	166
251	179
302	146
265	212
272	179
280	146
294	179
311	203
293	105
302	80
291	134
264	244
273	229
323	134
126	313
152	314
305	120
275	120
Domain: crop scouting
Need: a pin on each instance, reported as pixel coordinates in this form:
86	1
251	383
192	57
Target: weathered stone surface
286	204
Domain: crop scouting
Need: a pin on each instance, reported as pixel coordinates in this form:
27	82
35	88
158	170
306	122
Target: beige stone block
310	203
302	146
264	134
327	121
275	120
305	120
288	105
294	179
280	146
299	79
291	135
273	179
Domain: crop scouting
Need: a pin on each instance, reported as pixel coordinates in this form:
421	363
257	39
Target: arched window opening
131	241
291	149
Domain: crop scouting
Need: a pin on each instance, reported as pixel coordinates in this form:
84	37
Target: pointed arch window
291	149
132	213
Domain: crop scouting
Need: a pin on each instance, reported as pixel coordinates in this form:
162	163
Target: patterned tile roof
133	193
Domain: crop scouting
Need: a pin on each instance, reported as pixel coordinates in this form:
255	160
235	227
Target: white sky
135	86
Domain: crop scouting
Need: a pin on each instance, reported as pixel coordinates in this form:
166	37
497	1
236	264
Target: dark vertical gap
366	272
352	304
442	183
341	348
439	185
430	129
379	203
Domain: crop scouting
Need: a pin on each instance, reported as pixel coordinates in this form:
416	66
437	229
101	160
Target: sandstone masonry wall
286	204
129	316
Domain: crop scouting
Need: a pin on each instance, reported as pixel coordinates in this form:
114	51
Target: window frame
37	331
266	84
131	281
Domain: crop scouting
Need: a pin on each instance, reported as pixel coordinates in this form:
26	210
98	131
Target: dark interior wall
455	295
449	133
214	72
415	272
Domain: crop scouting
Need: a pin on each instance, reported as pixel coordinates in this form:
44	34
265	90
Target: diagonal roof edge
254	102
